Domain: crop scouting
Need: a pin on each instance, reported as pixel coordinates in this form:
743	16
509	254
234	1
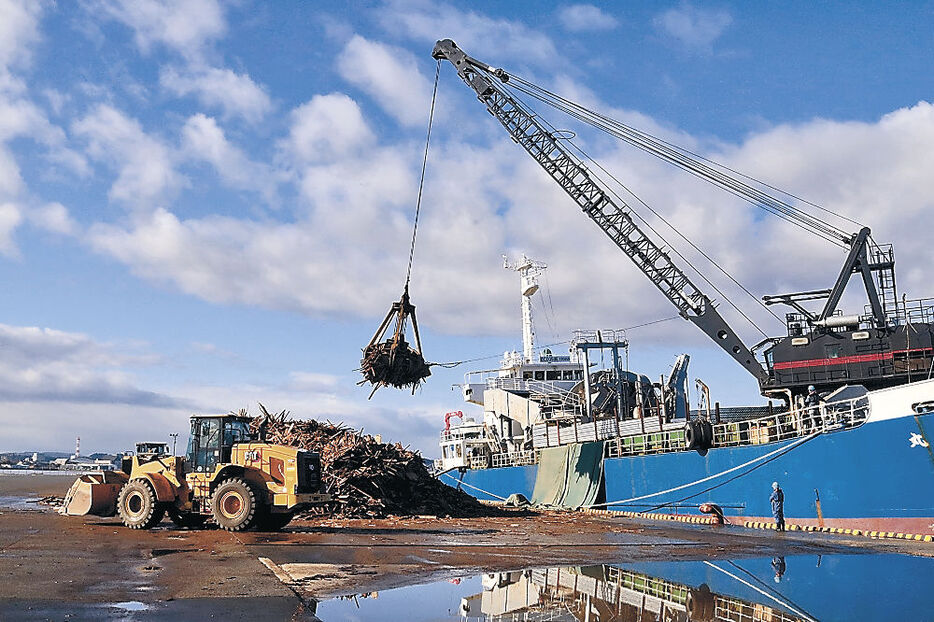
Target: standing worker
778	506
812	403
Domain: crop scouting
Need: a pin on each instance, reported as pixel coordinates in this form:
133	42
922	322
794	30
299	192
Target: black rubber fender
700	604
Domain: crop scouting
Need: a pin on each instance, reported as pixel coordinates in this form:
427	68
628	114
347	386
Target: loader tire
137	505
234	505
187	519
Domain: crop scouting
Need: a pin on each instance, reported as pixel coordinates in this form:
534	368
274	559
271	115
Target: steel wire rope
781	601
781	210
609	119
658	149
706	490
421	181
674	249
763	584
682	156
687	240
780	450
453	364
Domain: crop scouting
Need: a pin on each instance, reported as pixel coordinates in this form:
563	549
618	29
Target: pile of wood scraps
368	478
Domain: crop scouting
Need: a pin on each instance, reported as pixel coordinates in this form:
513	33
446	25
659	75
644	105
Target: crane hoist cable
702	167
673	248
393	361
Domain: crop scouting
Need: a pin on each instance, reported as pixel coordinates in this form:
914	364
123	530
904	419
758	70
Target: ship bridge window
553	375
539	375
460	452
444	452
568	374
578	374
832	351
526	375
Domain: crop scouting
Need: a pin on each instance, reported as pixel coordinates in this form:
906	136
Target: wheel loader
226	476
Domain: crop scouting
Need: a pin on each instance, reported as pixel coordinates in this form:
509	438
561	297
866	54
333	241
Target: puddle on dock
779	589
20	503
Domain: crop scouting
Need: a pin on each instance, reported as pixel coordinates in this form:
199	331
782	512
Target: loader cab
212	439
149	451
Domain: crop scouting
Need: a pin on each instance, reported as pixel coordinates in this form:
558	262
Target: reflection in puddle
779	589
131	605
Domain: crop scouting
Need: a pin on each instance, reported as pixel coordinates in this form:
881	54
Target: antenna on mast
528	270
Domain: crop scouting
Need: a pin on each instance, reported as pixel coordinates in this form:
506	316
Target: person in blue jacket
778	506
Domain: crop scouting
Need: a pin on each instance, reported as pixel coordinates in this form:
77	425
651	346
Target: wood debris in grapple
393	364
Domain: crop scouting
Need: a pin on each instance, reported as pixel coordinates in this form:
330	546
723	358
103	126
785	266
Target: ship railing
665	441
603	335
479	462
571	428
918	311
514	458
828	417
456	434
737	610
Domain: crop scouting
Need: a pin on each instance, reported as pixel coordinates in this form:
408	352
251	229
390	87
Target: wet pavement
557	566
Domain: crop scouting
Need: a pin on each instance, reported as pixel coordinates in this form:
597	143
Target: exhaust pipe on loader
94	493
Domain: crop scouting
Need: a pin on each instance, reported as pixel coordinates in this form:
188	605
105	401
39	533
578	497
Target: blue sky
204	205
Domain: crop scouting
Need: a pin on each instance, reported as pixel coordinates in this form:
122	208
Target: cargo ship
618	440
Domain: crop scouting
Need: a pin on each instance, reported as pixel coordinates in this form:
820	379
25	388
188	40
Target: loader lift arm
610	213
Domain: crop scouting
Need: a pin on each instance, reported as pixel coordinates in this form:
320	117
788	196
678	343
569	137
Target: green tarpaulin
569	476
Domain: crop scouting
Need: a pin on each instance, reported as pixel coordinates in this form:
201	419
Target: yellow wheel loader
227	476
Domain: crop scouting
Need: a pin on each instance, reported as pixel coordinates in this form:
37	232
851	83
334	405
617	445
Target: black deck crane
882	347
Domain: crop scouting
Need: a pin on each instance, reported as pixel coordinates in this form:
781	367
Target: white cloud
390	76
585	18
53	217
696	28
10	218
313	382
203	139
11	181
486	199
18	31
22	118
328	127
41	364
185	26
146	173
237	95
491	40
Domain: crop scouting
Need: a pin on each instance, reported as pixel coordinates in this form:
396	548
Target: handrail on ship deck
796	423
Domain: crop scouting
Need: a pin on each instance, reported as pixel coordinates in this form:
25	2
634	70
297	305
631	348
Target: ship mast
528	270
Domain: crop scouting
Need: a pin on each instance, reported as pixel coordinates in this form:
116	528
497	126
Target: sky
208	205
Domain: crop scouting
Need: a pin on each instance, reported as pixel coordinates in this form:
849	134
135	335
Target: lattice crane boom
611	214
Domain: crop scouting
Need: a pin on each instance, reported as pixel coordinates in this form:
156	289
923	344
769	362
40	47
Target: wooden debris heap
393	362
368	478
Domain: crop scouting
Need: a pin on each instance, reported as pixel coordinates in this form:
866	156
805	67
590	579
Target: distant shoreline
7	472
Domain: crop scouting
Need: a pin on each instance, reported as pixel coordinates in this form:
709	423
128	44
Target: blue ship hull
879	476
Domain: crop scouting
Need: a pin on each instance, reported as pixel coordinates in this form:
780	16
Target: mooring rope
463	483
780	452
780	601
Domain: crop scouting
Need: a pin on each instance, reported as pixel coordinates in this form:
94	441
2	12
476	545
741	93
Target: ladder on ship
888	295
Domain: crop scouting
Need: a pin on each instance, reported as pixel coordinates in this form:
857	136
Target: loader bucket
94	493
